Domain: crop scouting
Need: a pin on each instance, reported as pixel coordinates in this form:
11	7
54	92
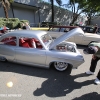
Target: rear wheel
60	66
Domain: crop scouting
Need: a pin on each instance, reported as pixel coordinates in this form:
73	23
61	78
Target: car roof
63	26
29	33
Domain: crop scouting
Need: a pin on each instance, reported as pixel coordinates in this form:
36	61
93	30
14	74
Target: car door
32	56
7	51
78	38
7	48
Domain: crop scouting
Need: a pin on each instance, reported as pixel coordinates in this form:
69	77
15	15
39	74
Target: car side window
54	29
66	29
29	43
9	41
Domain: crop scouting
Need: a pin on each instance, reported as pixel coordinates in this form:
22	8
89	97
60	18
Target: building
37	11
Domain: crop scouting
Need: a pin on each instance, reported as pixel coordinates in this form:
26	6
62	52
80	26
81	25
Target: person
90	50
32	43
94	60
27	26
95	30
23	26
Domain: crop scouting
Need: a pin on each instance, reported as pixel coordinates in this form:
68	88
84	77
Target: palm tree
6	6
52	7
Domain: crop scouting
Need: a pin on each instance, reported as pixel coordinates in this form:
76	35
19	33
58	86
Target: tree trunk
75	16
52	8
5	9
6	13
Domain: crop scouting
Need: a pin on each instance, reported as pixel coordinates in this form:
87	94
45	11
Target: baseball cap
90	50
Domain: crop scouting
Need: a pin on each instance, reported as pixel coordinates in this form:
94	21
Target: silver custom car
37	48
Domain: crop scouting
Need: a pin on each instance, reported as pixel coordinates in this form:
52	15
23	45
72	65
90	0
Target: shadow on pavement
60	85
57	83
89	96
81	46
31	71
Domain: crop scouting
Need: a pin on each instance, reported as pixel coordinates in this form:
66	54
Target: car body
87	29
81	39
94	44
15	47
90	29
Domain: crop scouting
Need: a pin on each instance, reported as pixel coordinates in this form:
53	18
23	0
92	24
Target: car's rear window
11	40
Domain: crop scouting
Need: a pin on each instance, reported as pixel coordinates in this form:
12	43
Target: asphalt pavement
31	83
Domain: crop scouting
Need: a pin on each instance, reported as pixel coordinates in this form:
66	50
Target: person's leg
97	80
98	76
94	64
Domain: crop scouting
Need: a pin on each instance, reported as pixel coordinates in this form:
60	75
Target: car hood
92	35
65	36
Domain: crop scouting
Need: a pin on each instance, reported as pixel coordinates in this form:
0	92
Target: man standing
27	26
95	30
94	60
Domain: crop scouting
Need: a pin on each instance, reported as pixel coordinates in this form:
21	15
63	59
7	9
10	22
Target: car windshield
54	29
47	39
87	29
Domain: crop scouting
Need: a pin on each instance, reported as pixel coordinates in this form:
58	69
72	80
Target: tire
60	66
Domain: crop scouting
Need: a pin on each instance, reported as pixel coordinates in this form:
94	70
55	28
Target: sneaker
90	73
97	81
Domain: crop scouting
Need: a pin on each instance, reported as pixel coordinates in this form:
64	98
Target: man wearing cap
94	60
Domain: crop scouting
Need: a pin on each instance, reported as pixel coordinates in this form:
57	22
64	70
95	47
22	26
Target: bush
14	19
23	21
12	23
2	23
9	25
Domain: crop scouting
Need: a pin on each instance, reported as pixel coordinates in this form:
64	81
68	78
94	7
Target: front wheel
60	66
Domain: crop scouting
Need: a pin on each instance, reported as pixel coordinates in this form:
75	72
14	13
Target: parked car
18	46
90	29
61	28
87	29
81	39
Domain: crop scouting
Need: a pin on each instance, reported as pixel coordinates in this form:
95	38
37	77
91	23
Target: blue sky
63	1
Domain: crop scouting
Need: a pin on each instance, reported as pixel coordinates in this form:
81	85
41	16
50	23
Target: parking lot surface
31	83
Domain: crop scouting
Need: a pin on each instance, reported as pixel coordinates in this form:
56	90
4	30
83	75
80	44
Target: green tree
6	6
74	5
89	7
52	7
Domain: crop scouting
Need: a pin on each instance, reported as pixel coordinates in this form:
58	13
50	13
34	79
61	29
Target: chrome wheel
60	66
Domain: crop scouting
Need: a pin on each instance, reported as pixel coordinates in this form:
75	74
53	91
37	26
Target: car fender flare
92	42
